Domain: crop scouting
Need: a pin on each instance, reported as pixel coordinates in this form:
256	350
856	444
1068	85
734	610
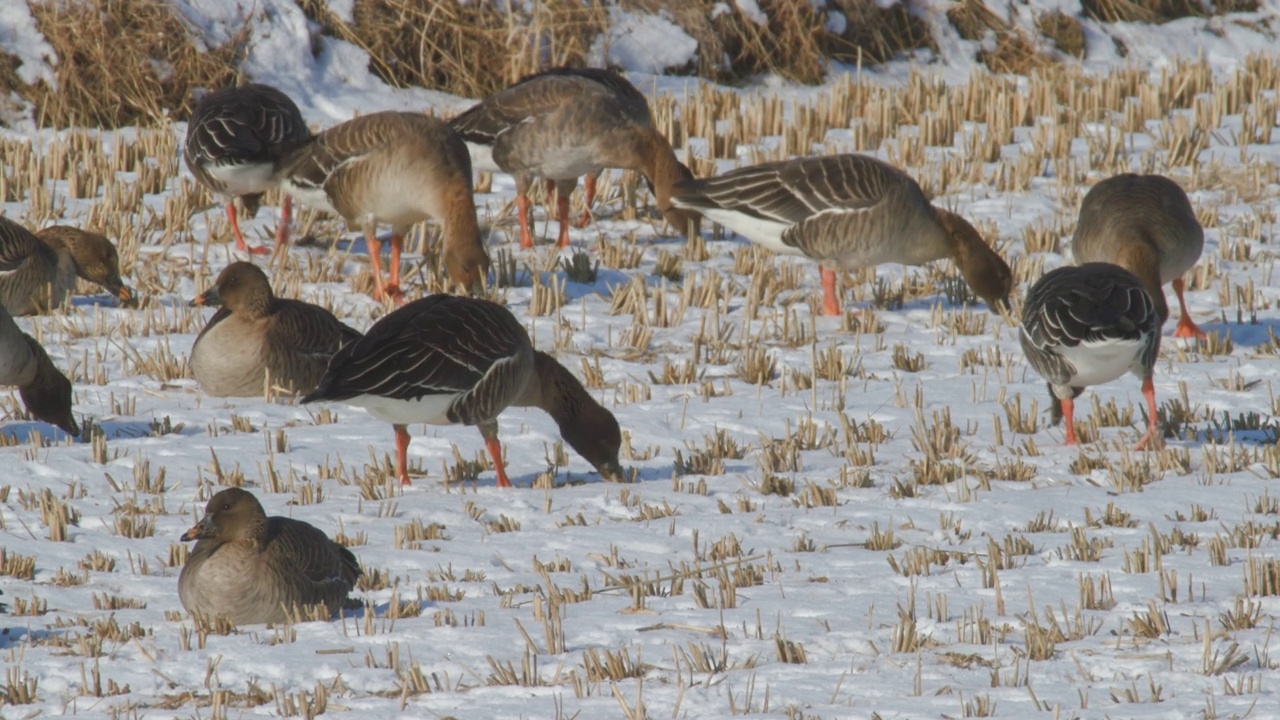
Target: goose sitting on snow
1088	325
446	360
39	271
846	212
251	568
566	122
1145	224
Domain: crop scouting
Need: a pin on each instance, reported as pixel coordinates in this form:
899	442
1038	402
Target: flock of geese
457	359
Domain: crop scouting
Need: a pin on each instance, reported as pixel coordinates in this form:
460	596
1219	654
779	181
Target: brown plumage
566	122
44	390
396	168
1144	224
847	212
255	569
256	335
447	360
38	271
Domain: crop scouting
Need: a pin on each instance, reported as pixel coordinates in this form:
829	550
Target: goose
44	390
397	168
1088	325
565	122
38	271
446	360
255	335
236	139
256	569
1145	224
848	212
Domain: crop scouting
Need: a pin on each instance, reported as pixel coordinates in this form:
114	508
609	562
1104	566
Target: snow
644	43
727	567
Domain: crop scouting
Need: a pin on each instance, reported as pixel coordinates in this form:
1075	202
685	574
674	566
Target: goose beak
208	298
612	471
202	529
125	296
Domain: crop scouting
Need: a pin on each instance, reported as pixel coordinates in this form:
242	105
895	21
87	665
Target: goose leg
830	303
1187	327
241	245
402	453
562	215
490	432
522	212
286	217
392	289
1152	439
589	189
1069	419
375	264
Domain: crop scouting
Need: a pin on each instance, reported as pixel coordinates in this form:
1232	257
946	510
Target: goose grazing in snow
446	360
257	569
846	212
236	139
44	390
1088	325
396	168
565	122
1145	224
256	335
39	271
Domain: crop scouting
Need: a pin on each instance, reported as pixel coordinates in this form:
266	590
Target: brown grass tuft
1064	30
1159	11
124	62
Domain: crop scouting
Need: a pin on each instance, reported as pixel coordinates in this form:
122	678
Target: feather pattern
237	137
38	271
44	390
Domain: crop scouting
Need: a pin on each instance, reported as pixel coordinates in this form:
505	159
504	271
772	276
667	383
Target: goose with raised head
38	271
396	168
1088	325
565	122
252	568
845	212
236	139
44	390
256	337
1145	224
448	360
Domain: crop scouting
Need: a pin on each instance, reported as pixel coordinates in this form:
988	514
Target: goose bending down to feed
257	569
44	390
255	337
566	122
39	271
847	212
1145	224
446	360
396	168
1088	325
236	139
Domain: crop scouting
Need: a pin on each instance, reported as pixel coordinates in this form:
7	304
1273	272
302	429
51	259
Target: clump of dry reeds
123	62
1160	11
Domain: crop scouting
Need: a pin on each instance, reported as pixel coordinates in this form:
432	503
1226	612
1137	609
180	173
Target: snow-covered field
851	517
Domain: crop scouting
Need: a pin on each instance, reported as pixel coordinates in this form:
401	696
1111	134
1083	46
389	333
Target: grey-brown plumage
566	122
256	335
44	390
395	168
845	212
38	271
1088	325
237	139
255	569
453	360
1145	224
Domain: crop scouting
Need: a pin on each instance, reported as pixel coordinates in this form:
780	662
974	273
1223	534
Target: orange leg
286	217
1069	419
402	453
241	245
830	303
522	214
589	184
495	452
392	289
1152	439
375	264
1187	327
562	215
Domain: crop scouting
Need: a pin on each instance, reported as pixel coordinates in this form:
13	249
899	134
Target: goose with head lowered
44	390
38	271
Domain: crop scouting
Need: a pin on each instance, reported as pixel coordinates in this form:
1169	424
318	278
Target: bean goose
1088	325
447	360
848	212
567	122
1145	224
256	569
44	390
38	271
236	140
255	336
397	168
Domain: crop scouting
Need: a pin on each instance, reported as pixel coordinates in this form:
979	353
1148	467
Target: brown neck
586	425
1140	258
659	164
987	274
464	254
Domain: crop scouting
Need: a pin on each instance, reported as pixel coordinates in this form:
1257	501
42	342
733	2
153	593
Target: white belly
482	157
312	197
1102	362
243	179
765	233
430	409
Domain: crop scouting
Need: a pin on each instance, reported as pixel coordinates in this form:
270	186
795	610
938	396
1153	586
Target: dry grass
1159	11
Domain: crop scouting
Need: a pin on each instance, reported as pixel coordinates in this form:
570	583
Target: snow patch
643	43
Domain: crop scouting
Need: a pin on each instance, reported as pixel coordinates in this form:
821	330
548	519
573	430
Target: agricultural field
823	517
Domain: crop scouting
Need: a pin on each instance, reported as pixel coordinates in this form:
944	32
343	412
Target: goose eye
226	506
